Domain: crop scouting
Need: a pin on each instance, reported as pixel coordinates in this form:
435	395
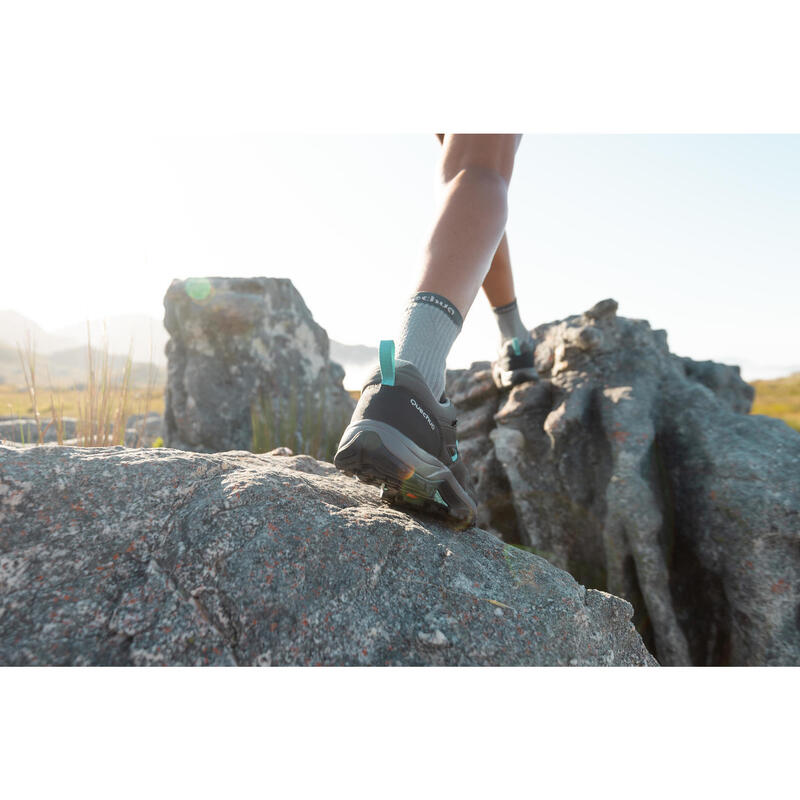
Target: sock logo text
436	300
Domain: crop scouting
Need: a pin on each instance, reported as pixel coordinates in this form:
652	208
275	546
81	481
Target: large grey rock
248	369
160	556
631	468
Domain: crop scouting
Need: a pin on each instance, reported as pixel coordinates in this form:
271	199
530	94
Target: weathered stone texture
241	347
640	474
160	556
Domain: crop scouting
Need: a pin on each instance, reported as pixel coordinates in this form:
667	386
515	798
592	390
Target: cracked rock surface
641	473
159	556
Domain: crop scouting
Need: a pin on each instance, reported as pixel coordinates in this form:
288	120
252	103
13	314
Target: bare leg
475	171
387	442
498	285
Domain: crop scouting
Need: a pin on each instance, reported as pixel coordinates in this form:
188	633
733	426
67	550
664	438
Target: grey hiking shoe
402	439
514	364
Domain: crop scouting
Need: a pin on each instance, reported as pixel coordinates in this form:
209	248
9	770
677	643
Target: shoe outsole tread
366	457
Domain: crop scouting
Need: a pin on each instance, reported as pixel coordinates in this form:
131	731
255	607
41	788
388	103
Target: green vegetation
779	398
300	423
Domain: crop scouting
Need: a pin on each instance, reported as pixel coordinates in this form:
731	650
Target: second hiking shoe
404	440
514	363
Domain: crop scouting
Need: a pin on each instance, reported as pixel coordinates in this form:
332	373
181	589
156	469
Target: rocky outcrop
640	474
248	369
160	556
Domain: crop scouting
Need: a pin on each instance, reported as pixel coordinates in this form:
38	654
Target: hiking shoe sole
380	455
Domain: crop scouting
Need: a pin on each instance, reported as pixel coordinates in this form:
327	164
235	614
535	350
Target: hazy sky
698	234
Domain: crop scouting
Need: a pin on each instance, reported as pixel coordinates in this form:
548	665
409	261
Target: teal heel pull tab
515	345
386	357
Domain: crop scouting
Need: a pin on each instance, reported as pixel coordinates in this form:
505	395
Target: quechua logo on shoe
423	412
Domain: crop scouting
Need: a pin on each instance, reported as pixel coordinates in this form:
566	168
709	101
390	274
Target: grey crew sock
509	323
429	326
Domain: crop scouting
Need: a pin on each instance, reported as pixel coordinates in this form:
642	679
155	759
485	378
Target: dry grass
779	398
27	357
100	406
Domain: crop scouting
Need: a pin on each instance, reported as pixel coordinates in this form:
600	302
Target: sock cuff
440	302
506	308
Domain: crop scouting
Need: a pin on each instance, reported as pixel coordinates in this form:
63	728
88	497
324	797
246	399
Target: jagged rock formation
160	556
248	369
633	470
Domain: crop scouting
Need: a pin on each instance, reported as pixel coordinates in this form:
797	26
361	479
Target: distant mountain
141	329
14	328
70	367
356	354
120	329
357	360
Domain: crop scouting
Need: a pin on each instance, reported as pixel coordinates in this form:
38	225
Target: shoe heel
365	455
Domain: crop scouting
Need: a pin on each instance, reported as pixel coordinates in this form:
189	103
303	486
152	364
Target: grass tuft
302	422
27	357
101	406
